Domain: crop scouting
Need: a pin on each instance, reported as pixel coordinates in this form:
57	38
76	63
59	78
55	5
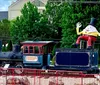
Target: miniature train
37	54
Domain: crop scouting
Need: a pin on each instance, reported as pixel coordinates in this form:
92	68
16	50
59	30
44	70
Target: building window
38	3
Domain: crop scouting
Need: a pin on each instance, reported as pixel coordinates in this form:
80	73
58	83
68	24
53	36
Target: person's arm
78	25
77	31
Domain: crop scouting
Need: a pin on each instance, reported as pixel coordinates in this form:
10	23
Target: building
3	15
15	8
59	1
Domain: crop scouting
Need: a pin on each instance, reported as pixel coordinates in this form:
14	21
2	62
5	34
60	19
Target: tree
4	31
24	27
31	25
9	47
77	12
54	13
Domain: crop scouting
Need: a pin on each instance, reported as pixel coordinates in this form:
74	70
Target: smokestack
16	48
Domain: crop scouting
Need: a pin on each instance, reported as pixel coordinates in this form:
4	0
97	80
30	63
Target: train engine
34	54
13	58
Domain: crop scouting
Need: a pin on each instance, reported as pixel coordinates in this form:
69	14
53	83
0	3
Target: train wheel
3	64
19	68
2	70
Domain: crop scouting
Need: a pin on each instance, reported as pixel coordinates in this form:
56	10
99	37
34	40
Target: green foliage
4	49
4	30
54	13
56	22
53	54
9	47
77	13
31	25
23	28
53	51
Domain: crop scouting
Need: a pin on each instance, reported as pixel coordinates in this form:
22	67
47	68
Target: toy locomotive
37	54
34	54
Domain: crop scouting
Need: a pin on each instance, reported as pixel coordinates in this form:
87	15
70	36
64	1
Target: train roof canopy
37	42
40	46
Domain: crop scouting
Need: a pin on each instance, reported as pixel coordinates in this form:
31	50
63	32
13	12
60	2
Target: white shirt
90	28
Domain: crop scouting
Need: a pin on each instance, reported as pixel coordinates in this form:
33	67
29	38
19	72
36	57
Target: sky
4	4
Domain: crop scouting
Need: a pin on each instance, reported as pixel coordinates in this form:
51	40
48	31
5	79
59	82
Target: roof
14	3
37	42
3	15
43	1
18	1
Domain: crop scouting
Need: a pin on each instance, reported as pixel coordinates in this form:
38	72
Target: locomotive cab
36	54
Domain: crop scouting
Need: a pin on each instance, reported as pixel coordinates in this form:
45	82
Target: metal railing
15	76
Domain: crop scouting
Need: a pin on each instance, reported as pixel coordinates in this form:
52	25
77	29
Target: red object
55	77
37	47
88	38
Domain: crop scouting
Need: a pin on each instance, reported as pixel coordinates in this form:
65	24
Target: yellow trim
87	33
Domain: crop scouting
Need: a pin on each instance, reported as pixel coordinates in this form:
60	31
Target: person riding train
88	34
